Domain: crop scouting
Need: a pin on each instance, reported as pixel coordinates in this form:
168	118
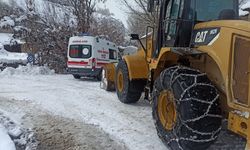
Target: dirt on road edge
58	133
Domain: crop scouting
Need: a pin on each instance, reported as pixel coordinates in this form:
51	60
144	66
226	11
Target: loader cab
177	19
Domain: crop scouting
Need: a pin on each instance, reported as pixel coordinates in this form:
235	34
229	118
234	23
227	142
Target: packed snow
5	141
83	100
242	114
9	57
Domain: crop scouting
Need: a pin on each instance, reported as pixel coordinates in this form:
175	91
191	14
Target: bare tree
139	17
107	26
44	36
83	10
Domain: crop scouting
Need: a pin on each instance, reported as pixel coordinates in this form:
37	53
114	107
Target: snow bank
11	58
5	141
15	135
27	70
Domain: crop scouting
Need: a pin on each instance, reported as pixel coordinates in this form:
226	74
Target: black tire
198	111
132	90
99	76
77	76
105	83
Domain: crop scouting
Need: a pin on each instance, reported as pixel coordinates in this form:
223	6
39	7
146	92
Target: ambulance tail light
93	63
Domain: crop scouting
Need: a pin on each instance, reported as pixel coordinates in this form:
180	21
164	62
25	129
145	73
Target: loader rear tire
105	83
127	91
189	116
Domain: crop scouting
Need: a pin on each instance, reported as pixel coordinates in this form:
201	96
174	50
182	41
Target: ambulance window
112	54
80	51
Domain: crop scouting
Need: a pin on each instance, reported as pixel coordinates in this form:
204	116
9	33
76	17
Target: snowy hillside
60	13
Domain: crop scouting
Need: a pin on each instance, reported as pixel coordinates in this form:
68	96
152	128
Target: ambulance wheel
127	91
76	76
99	76
186	109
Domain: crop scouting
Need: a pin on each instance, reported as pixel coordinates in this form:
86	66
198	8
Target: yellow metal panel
222	52
240	125
137	66
155	62
222	55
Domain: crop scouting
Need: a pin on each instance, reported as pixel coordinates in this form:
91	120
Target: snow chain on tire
199	117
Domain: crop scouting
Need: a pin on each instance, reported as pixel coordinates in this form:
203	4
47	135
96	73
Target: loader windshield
207	10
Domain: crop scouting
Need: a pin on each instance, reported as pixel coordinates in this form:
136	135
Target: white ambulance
87	55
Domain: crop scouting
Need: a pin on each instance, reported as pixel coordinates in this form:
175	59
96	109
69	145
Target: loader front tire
127	91
186	109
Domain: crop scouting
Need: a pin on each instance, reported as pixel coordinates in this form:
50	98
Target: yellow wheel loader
195	69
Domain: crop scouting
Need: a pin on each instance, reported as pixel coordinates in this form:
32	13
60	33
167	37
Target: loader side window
174	11
112	54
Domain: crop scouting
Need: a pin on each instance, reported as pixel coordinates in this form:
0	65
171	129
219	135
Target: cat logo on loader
194	70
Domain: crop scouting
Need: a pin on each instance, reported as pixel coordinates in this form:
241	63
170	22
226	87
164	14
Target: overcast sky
117	9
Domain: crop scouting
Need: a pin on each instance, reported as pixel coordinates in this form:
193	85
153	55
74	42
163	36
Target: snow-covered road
83	100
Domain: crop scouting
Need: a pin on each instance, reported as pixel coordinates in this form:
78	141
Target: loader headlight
205	36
